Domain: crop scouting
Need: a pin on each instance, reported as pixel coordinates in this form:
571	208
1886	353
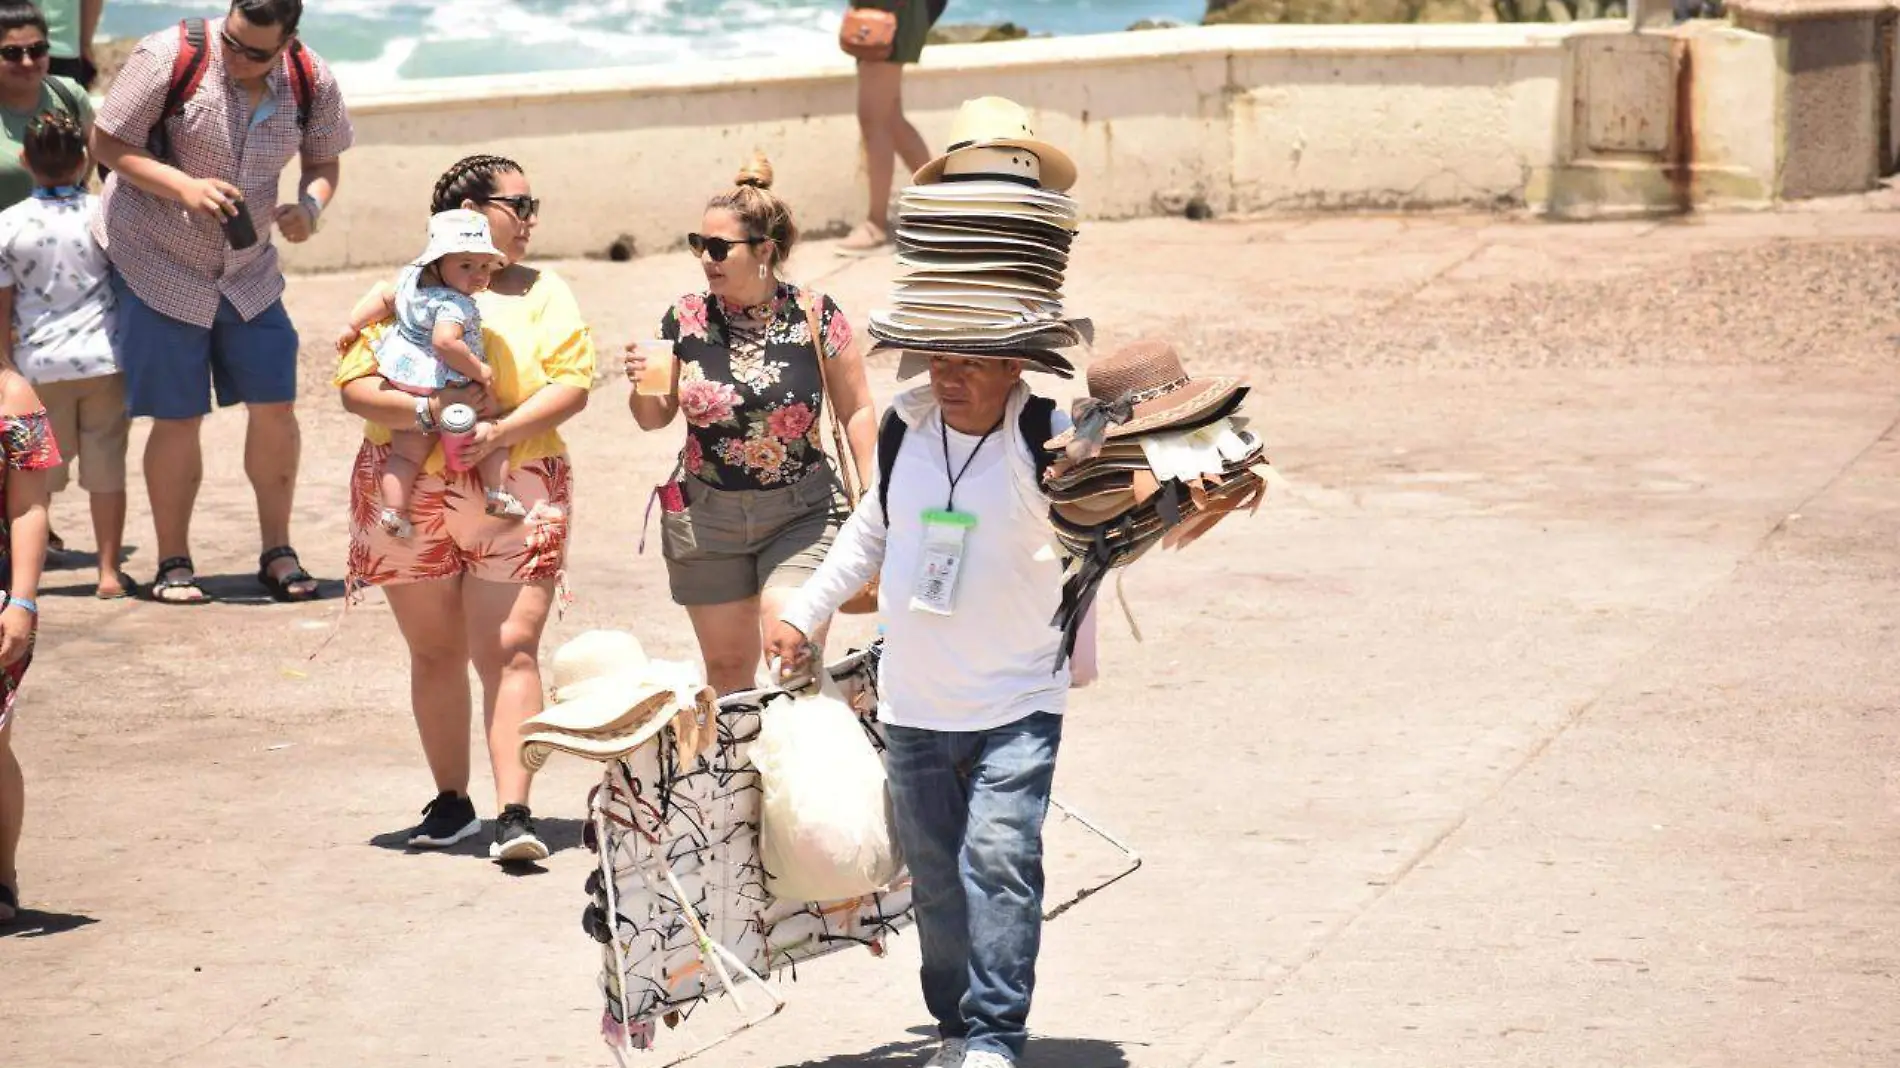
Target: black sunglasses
718	247
522	205
255	55
20	53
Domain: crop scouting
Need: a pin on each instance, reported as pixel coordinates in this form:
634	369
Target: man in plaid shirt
196	315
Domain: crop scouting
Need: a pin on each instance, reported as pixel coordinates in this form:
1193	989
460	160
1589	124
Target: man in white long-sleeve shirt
971	696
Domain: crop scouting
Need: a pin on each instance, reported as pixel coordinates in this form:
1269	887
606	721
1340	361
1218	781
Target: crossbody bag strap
846	461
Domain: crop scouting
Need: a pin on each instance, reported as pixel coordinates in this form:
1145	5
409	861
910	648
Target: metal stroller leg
1134	862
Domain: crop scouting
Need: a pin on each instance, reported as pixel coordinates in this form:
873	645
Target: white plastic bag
825	829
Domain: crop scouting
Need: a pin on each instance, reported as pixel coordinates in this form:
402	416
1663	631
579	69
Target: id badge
945	534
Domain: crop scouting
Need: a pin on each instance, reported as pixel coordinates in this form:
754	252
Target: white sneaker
985	1059
949	1055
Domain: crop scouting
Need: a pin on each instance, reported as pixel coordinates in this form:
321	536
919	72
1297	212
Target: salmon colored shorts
454	534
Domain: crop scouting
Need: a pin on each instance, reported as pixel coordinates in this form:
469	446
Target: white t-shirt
993	661
62	304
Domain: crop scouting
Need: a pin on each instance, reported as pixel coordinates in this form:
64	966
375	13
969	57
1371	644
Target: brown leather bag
845	462
868	33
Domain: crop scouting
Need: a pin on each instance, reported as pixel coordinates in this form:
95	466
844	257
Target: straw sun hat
992	122
1143	388
610	699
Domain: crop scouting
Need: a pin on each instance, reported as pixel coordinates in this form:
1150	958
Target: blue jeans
969	808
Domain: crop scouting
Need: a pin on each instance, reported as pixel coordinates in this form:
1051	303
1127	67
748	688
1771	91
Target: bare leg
407	451
879	85
108	533
174	468
12	815
910	144
429	614
272	442
505	621
729	642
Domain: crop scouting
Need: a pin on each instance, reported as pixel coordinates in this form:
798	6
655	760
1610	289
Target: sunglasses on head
21	53
718	247
522	205
255	55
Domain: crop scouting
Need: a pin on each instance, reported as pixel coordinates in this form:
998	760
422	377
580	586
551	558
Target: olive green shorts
914	19
729	545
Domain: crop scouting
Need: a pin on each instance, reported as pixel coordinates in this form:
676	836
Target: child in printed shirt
436	343
53	283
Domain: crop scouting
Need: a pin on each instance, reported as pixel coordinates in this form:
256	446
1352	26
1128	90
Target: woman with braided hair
466	586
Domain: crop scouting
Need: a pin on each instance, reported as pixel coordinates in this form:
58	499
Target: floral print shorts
454	534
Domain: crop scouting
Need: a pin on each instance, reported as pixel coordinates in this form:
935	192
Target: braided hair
55	147
471	178
759	209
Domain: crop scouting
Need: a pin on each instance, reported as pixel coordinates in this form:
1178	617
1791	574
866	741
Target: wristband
315	208
24	602
424	421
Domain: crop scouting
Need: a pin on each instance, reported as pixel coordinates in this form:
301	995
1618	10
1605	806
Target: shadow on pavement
32	923
558	834
245	590
1043	1052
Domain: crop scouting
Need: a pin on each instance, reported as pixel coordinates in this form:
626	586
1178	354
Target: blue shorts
171	367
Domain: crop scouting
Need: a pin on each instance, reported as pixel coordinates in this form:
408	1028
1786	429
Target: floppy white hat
458	230
994	122
605	685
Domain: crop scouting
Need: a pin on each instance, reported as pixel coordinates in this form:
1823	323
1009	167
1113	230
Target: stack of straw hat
1157	457
983	240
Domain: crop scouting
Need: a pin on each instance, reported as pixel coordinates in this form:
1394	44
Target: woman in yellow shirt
468	587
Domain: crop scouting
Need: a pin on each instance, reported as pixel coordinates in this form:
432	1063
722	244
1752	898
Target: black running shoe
445	821
515	840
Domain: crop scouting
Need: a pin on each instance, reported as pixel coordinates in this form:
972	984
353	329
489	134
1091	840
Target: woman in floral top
760	497
27	438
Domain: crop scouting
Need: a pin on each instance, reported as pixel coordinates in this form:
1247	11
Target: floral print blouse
750	387
28	441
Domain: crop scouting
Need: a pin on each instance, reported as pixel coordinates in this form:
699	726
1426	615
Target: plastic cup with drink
656	379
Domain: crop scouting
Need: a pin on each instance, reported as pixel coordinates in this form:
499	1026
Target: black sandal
161	584
280	588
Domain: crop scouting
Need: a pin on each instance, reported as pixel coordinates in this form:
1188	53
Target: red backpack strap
302	73
188	70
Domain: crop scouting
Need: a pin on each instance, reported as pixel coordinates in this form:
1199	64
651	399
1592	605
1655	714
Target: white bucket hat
458	230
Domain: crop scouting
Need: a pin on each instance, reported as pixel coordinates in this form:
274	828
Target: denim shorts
172	367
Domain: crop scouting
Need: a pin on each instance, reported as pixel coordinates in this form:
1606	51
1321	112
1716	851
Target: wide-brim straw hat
1044	240
953	218
604	684
995	122
1027	331
1147	381
1003	297
916	362
619	742
977	251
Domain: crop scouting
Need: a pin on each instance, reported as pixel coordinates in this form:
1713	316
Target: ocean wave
376	42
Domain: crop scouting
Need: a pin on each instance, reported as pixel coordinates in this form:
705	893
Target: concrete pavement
1543	716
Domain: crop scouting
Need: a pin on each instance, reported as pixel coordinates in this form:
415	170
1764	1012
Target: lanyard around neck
943	426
